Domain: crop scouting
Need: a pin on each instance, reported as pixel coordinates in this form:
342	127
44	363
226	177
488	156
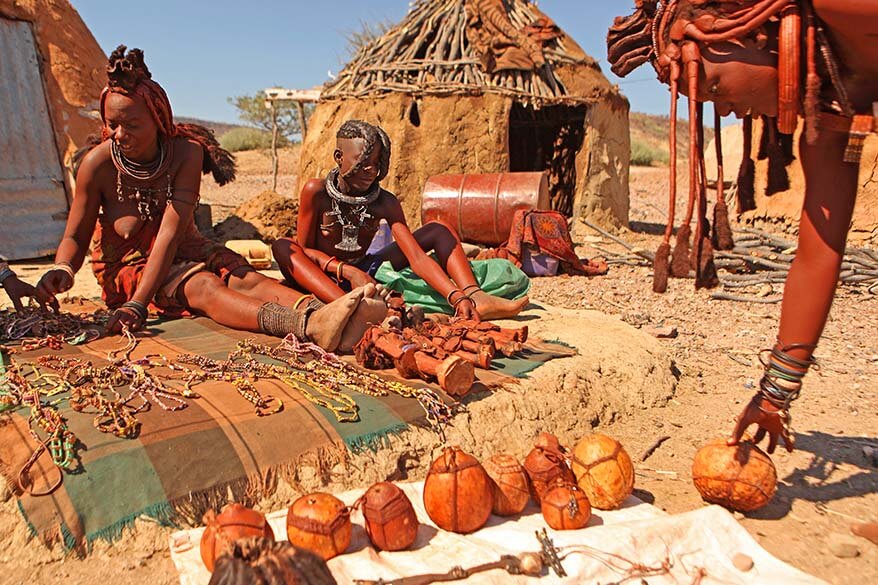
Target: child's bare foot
491	307
326	324
371	311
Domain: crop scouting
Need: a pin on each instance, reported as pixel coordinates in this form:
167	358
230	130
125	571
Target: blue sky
203	51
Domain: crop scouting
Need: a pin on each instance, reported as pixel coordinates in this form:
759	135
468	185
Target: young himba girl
339	215
141	186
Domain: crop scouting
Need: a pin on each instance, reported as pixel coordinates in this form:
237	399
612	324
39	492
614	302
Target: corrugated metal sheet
33	204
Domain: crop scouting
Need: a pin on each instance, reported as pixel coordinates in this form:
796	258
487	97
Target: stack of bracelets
463	296
137	308
782	381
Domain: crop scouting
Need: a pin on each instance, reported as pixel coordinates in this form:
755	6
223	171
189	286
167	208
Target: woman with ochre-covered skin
777	59
140	185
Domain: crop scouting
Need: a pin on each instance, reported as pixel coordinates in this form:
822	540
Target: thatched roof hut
483	86
51	75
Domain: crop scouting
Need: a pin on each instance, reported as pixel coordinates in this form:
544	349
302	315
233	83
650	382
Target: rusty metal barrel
480	207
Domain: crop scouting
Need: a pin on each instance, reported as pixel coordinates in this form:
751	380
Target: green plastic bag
497	276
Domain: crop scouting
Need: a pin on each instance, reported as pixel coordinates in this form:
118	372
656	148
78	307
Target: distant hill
649	138
219	128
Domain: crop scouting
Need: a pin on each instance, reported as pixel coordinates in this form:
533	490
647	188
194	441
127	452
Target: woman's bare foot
491	307
372	310
326	324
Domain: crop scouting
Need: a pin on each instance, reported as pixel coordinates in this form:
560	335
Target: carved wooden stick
454	374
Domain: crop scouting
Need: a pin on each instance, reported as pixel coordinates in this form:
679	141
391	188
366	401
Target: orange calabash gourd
234	522
740	477
565	507
511	486
391	522
320	523
546	464
458	495
603	470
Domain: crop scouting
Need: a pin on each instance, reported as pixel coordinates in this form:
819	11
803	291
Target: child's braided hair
373	136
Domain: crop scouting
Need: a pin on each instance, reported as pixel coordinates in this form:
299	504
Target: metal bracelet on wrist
138	308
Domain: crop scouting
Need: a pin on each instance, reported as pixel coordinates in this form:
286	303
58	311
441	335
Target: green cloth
497	276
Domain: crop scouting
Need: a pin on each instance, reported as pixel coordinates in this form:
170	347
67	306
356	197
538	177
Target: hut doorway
33	201
548	139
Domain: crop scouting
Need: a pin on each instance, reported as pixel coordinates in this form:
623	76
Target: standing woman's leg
830	193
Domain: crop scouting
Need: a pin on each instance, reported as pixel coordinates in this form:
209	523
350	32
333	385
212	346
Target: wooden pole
274	158
301	107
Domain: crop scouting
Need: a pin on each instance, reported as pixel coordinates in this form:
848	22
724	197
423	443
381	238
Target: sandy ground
824	485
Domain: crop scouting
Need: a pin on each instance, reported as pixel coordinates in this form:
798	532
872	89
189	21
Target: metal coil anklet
278	320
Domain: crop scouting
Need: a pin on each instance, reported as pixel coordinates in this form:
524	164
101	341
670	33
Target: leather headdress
128	75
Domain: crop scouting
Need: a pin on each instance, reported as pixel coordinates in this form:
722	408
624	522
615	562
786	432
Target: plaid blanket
184	462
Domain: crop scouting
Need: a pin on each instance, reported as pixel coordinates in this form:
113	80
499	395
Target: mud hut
50	81
483	86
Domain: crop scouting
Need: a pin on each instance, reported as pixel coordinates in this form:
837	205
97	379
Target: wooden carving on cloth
321	523
391	522
511	486
223	530
547	464
262	560
566	507
603	470
740	477
458	495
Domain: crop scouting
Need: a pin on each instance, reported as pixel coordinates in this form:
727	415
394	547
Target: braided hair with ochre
128	75
372	136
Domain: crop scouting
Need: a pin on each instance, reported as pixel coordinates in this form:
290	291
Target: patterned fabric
184	462
544	232
118	263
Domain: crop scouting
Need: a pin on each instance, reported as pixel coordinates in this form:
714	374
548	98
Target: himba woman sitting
141	185
775	59
339	216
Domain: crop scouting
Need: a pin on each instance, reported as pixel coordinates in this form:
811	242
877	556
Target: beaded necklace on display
292	351
91	385
16	389
148	201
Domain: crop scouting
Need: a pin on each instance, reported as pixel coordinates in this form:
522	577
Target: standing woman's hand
770	420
